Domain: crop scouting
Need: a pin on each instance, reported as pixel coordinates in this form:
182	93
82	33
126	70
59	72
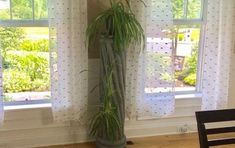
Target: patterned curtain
150	75
1	94
219	43
69	59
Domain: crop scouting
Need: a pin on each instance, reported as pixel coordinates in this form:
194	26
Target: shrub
191	79
16	81
27	45
7	98
35	64
191	62
26	71
40	85
188	75
41	45
19	81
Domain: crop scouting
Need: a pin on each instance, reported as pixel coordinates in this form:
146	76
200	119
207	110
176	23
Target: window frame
200	21
25	23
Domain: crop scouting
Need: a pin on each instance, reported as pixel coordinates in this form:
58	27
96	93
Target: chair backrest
210	117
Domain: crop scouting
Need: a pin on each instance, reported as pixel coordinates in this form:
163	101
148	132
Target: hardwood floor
172	141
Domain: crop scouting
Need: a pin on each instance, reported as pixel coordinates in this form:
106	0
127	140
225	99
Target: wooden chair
210	117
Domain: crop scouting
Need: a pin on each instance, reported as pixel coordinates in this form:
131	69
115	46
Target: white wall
34	127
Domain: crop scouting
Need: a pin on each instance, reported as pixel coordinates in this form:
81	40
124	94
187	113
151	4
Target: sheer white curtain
150	75
69	59
1	95
219	43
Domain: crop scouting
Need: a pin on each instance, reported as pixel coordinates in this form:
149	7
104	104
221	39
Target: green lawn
36	31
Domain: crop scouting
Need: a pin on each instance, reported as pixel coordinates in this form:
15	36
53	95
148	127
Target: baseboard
132	131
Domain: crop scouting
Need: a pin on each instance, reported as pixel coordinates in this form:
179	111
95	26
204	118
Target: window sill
27	106
48	105
188	96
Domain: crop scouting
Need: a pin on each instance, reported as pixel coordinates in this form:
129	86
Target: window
186	39
24	43
188	18
186	48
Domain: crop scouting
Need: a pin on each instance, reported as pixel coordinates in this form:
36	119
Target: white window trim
188	96
27	106
29	102
24	23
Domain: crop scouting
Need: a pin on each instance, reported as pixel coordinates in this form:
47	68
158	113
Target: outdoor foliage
177	8
193	10
34	63
25	61
27	70
191	79
160	62
191	62
41	45
22	9
4	14
189	74
16	81
10	38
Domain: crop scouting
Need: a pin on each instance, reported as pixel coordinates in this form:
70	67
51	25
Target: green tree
193	9
22	9
178	8
4	14
40	7
10	38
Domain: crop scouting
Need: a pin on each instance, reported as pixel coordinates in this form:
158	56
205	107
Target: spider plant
106	123
120	23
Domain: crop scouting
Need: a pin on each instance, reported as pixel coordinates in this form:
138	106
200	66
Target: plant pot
117	60
101	143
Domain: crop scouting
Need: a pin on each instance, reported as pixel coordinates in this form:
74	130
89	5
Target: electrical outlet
183	129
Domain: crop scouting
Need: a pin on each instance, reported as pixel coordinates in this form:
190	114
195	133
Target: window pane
22	9
194	9
159	74
40	8
178	9
4	9
25	63
186	57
